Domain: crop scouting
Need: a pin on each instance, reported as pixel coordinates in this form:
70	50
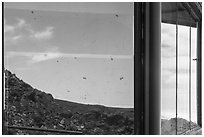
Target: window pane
176	13
78	53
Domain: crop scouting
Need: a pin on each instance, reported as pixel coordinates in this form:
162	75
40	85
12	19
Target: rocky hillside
168	126
29	107
26	106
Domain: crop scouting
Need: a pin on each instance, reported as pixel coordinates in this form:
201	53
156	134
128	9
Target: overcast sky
84	53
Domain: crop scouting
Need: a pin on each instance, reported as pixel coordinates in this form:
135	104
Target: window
179	42
78	58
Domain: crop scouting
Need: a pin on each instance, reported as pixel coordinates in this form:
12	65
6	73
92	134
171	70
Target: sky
169	71
84	54
84	57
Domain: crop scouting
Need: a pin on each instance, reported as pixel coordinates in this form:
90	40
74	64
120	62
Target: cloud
17	37
44	34
13	39
166	45
9	28
35	56
21	22
22	29
169	40
170	63
13	32
44	56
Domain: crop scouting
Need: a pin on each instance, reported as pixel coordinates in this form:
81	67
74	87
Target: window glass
76	52
186	77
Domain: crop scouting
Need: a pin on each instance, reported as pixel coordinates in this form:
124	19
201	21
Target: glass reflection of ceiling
188	13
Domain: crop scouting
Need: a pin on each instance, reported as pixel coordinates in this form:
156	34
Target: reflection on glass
186	108
193	76
168	64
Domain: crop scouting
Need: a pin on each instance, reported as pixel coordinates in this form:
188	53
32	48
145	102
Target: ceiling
183	13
